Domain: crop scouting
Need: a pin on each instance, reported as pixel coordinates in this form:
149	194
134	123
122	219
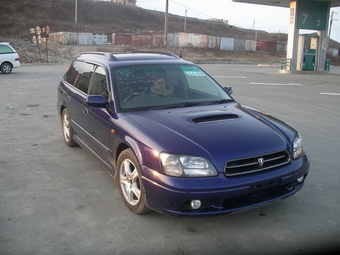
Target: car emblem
261	162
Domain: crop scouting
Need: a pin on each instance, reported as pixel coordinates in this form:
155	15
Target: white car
9	58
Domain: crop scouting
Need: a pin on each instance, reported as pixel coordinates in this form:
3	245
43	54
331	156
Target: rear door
78	79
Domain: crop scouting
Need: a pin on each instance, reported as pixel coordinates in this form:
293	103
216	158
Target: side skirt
108	167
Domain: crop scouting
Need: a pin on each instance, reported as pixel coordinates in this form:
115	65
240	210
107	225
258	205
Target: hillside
18	16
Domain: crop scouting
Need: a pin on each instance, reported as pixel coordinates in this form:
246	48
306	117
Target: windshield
152	87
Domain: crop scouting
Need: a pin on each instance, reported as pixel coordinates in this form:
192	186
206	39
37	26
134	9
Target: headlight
297	147
186	166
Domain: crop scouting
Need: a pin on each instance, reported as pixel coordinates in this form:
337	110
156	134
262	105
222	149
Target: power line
209	16
264	8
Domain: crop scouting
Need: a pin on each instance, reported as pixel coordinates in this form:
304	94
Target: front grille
256	163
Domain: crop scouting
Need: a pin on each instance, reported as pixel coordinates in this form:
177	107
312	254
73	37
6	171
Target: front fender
146	156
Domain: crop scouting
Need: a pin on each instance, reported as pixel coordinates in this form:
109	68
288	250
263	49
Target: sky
250	16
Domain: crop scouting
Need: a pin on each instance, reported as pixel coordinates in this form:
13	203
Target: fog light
300	179
195	204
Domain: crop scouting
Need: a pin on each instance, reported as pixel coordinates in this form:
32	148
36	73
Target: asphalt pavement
59	200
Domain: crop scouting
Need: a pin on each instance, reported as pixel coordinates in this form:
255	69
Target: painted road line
275	84
330	94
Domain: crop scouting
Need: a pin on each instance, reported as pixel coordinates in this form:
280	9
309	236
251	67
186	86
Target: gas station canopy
304	15
284	3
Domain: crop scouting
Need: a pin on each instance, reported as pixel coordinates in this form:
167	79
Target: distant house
219	20
129	2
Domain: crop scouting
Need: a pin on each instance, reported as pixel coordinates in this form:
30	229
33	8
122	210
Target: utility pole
76	19
253	26
166	24
75	12
185	21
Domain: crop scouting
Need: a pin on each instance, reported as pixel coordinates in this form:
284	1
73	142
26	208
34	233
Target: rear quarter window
6	49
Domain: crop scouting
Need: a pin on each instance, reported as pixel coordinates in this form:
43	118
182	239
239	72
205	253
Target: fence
175	40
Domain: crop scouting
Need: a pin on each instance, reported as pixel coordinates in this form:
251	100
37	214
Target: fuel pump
307	52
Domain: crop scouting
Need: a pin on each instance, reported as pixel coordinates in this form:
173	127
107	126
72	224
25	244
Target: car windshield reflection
152	87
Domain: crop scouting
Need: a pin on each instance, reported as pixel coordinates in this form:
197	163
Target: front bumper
221	195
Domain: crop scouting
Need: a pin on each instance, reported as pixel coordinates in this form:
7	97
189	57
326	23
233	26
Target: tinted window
72	73
84	77
79	75
6	49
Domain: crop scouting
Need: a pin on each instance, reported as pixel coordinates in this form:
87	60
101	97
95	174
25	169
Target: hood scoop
215	117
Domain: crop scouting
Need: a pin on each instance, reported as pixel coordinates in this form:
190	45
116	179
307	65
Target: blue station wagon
173	138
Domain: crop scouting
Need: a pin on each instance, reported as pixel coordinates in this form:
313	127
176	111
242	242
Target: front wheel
130	182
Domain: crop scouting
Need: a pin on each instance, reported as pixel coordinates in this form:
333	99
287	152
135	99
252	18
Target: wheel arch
6	62
129	143
62	107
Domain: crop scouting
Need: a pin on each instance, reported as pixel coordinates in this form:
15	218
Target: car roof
137	57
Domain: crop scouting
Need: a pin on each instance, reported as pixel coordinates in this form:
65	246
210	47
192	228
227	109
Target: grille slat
252	164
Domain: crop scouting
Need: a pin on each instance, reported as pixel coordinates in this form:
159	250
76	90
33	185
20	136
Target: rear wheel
130	182
6	68
67	129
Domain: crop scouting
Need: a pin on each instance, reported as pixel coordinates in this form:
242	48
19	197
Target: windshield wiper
177	105
220	101
189	104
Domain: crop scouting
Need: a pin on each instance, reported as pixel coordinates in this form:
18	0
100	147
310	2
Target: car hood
225	131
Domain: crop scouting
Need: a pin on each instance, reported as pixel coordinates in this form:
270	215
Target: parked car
173	138
9	58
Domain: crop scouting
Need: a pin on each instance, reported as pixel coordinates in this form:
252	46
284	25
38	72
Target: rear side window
6	49
72	73
79	75
84	77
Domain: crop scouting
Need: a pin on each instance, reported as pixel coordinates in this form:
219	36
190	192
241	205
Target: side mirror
96	101
228	89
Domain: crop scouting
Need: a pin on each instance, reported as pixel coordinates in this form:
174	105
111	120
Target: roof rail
171	54
107	54
98	53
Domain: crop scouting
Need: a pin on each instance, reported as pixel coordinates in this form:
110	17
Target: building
129	2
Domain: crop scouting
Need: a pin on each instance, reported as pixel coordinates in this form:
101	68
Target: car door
97	119
76	95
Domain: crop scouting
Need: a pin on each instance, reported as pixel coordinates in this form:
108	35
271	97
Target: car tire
67	129
130	182
6	68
